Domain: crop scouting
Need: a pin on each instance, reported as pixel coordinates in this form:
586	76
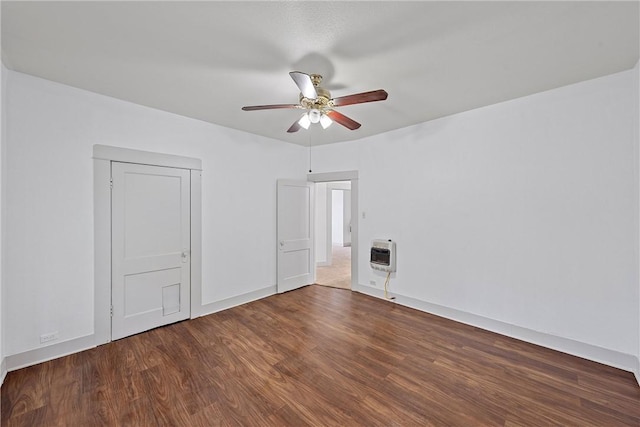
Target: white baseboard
50	352
605	356
587	351
369	290
3	370
39	355
237	300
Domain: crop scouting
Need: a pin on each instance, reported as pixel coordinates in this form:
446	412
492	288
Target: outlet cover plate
51	336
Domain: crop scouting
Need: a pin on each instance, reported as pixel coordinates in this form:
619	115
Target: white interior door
150	247
336	217
346	218
296	266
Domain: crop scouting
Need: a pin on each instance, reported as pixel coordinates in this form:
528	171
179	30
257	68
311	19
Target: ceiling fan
319	104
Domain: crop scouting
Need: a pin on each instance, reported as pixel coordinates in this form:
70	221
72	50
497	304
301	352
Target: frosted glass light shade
304	121
314	116
325	121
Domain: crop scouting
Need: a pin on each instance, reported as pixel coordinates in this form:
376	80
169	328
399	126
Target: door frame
331	186
103	155
353	177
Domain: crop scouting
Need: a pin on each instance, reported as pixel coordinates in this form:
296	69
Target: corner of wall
3	370
627	362
636	142
3	131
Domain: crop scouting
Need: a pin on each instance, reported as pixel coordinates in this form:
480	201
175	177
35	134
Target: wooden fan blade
343	120
304	83
359	98
270	107
295	127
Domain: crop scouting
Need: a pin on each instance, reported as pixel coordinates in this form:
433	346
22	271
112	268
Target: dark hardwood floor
320	356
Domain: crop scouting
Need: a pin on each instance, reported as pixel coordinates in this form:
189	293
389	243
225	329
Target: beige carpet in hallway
338	274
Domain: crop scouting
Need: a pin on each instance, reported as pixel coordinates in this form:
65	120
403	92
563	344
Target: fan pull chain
309	135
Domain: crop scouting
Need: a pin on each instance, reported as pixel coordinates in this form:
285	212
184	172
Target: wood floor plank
320	356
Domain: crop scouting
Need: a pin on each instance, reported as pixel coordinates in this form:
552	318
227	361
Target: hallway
338	274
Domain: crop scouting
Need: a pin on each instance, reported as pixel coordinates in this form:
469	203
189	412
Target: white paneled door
346	218
296	265
150	247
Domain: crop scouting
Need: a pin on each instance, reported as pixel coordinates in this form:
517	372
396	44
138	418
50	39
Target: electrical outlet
373	283
51	336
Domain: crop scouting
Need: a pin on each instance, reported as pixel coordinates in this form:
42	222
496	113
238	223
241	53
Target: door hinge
111	183
111	311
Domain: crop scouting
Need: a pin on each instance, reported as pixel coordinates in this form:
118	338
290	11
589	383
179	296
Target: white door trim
102	157
126	155
353	177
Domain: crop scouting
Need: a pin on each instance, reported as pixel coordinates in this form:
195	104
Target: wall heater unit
383	255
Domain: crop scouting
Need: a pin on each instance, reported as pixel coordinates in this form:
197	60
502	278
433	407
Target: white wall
522	213
636	91
49	201
3	128
3	74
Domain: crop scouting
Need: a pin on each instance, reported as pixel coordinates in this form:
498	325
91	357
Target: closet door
150	247
296	261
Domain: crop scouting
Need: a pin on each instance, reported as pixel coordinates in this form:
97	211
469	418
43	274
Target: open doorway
333	234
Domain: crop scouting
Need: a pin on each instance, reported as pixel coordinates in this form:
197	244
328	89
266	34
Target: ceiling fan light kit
325	121
314	115
319	104
305	121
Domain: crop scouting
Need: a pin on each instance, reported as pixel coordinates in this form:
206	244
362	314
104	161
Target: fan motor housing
321	102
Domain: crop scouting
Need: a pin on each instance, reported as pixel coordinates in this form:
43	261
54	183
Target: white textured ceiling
208	59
